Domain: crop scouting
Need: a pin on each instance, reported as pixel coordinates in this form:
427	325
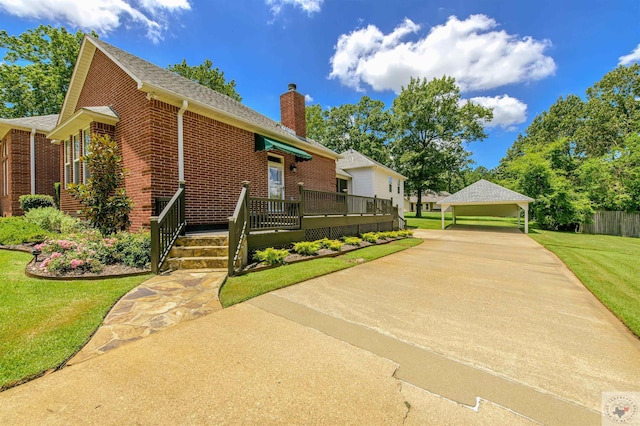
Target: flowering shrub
90	252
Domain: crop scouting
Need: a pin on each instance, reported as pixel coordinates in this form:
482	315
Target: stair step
199	251
206	262
217	240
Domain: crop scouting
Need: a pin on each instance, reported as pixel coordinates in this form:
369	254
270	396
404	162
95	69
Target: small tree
104	200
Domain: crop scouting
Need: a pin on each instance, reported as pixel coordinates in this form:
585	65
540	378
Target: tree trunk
419	204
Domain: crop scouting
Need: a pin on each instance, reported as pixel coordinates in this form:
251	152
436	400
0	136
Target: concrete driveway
471	327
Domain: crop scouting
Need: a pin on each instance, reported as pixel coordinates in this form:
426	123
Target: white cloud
308	99
472	50
631	57
309	6
507	111
102	16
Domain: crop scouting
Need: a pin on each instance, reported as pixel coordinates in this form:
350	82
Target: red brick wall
47	165
107	84
292	112
218	157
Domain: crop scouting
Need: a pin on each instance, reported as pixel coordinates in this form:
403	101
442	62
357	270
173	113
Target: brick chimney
292	112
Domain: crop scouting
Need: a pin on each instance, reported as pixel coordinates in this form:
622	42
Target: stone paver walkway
160	302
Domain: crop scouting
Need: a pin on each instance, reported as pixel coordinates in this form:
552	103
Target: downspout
32	154
185	104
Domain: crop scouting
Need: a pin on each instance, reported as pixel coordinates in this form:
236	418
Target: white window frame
67	162
279	165
390	184
77	153
86	133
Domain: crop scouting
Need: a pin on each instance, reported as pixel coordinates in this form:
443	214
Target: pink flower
44	263
75	263
38	246
55	255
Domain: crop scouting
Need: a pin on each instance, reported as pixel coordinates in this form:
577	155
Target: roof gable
173	88
484	191
352	159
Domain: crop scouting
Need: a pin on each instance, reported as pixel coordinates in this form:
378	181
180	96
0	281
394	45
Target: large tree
208	76
36	70
581	155
362	126
430	125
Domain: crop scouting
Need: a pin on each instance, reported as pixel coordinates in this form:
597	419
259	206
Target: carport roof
484	191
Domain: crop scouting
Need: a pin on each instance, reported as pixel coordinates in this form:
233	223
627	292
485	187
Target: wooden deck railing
267	214
238	228
166	227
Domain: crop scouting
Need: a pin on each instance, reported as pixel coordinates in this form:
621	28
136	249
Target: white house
361	175
429	201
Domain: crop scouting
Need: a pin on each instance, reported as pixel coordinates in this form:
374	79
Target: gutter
32	154
185	104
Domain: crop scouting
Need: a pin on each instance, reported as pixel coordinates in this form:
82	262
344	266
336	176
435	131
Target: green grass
433	220
606	265
244	287
43	322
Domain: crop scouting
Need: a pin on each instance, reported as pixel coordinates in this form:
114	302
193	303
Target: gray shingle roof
352	159
39	122
154	75
484	191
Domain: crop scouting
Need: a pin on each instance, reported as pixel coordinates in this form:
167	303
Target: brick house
171	129
30	164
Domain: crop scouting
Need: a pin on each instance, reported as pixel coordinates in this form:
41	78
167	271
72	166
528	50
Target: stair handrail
167	227
238	228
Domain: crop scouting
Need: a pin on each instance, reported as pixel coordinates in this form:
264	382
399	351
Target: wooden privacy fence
622	224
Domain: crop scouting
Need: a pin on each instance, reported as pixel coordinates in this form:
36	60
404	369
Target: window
390	184
399	183
4	153
67	163
86	136
76	159
276	177
411	206
341	185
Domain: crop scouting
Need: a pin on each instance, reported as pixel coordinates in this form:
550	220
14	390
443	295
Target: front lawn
433	220
606	265
244	287
44	322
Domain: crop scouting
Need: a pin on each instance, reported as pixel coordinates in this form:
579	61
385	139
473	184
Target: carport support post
453	214
525	207
442	210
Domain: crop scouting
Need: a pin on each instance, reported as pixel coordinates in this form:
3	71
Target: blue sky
517	56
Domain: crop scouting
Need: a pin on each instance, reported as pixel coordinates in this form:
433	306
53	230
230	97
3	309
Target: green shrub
104	199
306	248
370	237
28	202
271	256
405	233
352	241
56	190
334	245
134	248
16	230
51	219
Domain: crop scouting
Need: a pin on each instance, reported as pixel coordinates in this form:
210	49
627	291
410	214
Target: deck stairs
204	250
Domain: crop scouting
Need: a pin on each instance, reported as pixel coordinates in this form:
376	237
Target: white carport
485	198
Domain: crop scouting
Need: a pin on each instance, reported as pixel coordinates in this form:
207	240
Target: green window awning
265	144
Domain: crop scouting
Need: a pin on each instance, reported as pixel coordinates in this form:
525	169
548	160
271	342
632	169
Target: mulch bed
109	271
295	257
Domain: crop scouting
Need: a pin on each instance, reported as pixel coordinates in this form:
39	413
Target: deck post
301	197
155	244
245	184
526	220
375	205
442	211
